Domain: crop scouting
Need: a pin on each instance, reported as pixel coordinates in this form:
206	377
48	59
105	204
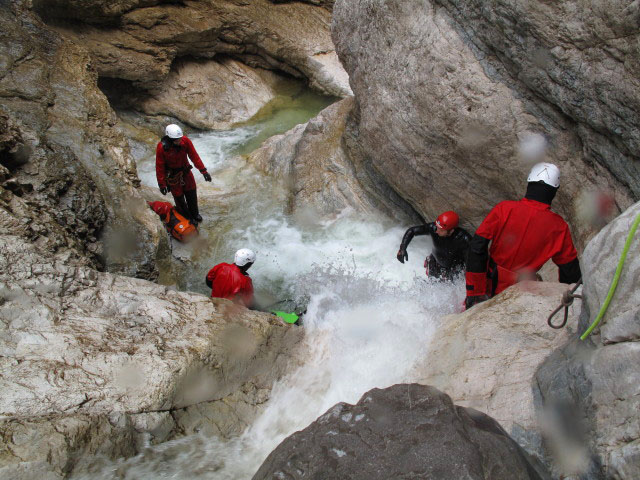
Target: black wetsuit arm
478	254
462	240
412	232
570	272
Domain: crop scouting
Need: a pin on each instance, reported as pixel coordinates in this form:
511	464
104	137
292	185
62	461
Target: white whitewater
369	318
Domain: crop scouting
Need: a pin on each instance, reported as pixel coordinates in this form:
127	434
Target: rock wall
312	161
207	94
591	388
94	363
454	120
63	157
141	39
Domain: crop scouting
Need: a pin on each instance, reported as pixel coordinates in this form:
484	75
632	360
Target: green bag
286	317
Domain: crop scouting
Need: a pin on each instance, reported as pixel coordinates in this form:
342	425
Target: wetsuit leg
192	202
434	270
181	205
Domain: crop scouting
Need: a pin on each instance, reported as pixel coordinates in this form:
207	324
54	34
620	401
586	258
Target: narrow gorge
328	128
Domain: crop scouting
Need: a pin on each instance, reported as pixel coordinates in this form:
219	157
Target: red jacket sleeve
193	155
160	166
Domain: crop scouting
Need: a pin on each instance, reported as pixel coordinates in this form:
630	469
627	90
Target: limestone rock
328	4
486	357
450	125
210	94
622	320
597	380
95	351
71	157
584	61
141	44
404	431
312	161
91	11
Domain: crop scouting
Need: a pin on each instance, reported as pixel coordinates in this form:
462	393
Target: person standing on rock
232	280
173	171
450	244
524	235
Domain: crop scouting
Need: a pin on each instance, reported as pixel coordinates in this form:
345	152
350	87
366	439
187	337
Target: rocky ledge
92	362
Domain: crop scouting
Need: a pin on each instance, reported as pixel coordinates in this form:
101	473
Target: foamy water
368	321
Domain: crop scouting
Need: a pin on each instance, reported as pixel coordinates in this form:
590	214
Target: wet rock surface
110	357
312	161
210	94
486	357
404	431
442	119
140	44
94	363
63	157
591	387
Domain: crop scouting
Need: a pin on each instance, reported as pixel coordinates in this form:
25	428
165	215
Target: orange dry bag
179	227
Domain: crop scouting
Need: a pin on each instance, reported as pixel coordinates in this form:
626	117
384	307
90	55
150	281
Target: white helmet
547	172
173	131
244	256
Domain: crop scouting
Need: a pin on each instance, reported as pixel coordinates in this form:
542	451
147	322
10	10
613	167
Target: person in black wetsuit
450	245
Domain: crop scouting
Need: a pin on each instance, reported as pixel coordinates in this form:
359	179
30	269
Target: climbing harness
567	300
616	277
176	178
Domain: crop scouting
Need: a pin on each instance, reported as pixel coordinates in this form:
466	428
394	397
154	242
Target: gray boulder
589	389
401	432
622	320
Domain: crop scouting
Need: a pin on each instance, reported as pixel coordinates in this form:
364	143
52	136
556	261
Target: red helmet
448	220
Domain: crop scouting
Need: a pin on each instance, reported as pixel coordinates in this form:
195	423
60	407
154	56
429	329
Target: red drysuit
228	281
161	208
171	162
524	234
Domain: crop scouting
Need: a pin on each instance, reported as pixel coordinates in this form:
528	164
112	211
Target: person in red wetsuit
524	235
173	171
231	280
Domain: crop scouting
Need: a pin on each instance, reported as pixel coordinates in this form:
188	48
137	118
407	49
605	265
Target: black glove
163	190
471	301
402	255
207	177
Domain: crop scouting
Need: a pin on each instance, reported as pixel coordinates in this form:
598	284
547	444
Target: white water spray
368	322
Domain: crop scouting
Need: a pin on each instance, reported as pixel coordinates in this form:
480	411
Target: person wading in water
450	244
